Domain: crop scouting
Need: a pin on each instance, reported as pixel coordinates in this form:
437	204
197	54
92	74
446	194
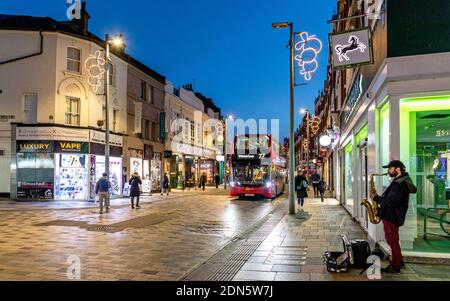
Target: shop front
424	146
189	164
65	169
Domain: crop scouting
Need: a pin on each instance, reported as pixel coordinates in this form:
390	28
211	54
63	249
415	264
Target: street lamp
307	46
117	42
291	116
229	117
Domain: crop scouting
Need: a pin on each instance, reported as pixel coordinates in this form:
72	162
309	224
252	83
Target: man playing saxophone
393	208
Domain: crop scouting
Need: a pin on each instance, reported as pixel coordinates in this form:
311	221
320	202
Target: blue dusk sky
227	46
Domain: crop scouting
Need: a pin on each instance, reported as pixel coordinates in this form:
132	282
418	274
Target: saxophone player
393	208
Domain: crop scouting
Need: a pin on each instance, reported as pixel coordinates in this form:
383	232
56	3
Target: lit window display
71	177
115	170
155	172
348	179
427	228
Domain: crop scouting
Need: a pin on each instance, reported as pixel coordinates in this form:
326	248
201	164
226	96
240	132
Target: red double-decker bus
257	167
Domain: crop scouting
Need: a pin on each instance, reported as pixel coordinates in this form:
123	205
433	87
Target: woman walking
135	190
301	185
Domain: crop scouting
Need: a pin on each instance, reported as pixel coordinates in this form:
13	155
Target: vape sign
351	49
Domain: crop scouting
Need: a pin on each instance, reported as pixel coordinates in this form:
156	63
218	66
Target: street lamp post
118	42
291	116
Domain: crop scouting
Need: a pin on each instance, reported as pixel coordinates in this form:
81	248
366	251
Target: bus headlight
232	184
269	185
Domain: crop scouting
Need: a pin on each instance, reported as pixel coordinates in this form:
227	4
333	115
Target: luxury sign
351	49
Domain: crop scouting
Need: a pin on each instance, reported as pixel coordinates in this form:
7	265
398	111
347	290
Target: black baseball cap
396	164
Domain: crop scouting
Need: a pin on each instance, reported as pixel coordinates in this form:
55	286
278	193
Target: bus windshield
251	175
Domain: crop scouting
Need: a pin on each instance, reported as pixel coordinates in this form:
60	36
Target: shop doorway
363	178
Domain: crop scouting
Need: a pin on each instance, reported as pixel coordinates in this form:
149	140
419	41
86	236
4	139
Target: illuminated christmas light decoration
95	65
314	124
343	50
309	48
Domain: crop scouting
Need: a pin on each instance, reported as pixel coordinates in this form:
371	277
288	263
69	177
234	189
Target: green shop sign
354	97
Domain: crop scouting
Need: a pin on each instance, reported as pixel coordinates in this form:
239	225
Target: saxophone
372	207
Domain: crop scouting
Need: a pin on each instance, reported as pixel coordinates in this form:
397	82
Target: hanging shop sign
351	49
168	154
137	117
52	133
72	147
162	126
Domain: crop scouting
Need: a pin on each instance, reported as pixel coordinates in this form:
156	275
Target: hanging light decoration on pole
305	53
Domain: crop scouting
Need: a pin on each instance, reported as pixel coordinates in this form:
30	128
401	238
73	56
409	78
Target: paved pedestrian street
190	235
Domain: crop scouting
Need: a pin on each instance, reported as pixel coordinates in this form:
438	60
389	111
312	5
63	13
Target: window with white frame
73	59
72	111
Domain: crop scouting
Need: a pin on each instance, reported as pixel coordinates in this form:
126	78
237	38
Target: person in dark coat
202	181
165	185
301	186
135	189
393	209
217	181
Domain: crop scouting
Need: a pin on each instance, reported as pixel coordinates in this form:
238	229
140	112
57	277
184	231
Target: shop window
384	140
192	132
73	59
348	175
72	111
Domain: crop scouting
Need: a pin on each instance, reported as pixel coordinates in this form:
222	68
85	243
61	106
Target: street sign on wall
351	48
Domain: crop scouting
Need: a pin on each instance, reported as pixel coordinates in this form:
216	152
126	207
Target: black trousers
316	189
137	200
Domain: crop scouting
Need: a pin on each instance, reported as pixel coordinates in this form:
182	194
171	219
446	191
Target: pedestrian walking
316	183
165	185
217	181
202	181
393	208
135	189
322	189
102	189
301	186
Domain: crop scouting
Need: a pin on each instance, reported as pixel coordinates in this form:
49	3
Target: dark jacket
103	185
217	179
299	187
165	183
395	200
134	189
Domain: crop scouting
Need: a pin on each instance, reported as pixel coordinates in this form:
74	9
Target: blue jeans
301	201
